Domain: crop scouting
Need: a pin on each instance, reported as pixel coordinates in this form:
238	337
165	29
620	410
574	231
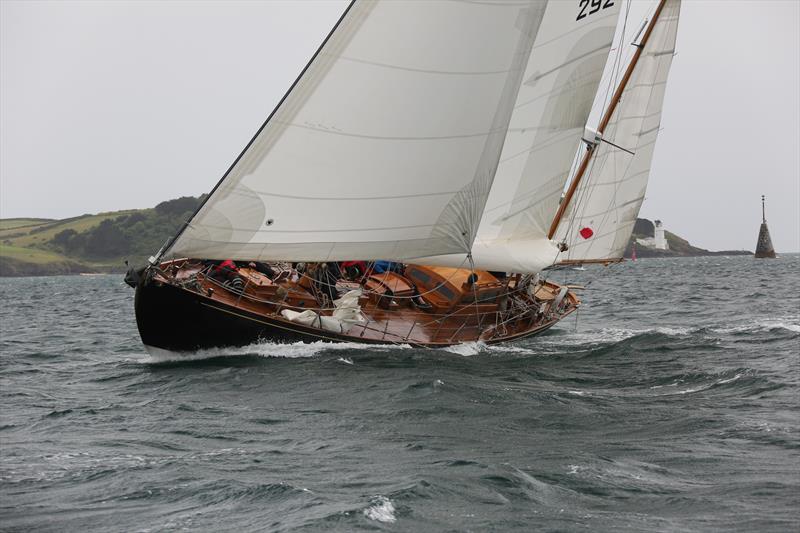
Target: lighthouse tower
659	238
764	248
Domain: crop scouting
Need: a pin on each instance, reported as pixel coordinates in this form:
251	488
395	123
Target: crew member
225	271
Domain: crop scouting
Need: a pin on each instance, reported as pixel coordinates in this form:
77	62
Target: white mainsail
607	201
386	146
549	118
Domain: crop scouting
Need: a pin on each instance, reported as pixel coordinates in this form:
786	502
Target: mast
763	211
615	99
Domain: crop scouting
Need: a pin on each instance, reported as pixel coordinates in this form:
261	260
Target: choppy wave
672	407
791	324
561	340
614	335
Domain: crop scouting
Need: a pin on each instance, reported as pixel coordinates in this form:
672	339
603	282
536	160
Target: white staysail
549	118
386	146
600	218
550	114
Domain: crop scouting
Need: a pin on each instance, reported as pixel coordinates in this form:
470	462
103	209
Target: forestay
607	201
387	144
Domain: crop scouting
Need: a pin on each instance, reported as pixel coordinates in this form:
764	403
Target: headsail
600	218
387	144
550	114
552	107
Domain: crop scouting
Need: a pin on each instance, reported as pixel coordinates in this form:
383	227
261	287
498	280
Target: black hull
178	320
174	319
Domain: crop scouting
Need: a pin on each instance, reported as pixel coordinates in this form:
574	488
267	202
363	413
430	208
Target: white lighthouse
659	239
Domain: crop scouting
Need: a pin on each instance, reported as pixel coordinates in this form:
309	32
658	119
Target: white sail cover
386	146
608	199
549	118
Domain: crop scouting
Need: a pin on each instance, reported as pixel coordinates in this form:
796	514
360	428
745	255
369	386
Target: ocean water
671	403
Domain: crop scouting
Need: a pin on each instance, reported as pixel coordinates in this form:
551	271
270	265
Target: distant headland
89	243
652	240
102	242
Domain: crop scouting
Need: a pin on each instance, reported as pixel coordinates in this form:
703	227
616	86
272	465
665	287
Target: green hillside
103	242
11	223
89	243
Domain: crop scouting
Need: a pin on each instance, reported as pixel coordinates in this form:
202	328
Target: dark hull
178	320
171	318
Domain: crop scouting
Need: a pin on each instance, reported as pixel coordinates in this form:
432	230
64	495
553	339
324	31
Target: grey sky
114	105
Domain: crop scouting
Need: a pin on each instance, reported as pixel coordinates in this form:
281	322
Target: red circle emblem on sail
586	232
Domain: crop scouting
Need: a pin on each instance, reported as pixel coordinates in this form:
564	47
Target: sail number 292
596	6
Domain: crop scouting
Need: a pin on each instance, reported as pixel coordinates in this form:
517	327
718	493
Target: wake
297	350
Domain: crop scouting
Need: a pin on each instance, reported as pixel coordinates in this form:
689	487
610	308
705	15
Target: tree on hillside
62	238
105	240
178	206
133	236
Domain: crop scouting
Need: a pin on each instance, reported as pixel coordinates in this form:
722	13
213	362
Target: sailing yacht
441	150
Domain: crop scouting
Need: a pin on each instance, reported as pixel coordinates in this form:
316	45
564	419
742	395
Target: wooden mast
562	208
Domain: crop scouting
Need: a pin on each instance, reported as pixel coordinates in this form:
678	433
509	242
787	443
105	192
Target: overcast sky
114	105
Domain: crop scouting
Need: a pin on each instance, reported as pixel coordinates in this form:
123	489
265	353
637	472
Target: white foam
615	335
696	389
502	348
675	332
467	349
789	323
381	510
573	469
670	385
734	378
602	336
266	349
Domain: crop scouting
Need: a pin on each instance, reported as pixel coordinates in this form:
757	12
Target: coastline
78	269
101	243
